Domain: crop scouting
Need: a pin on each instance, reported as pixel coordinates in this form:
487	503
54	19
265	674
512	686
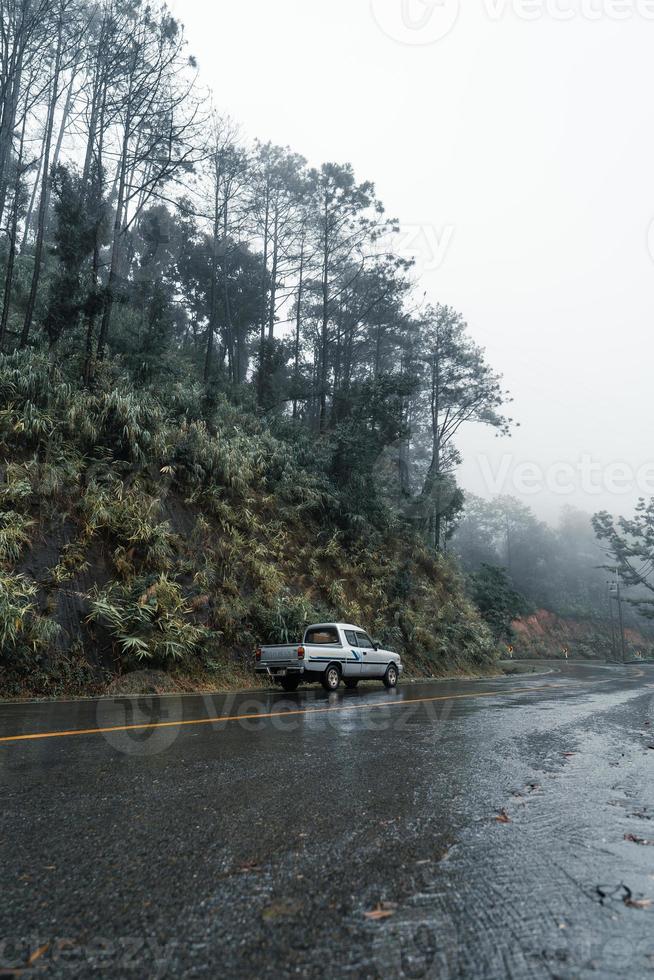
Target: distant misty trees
558	568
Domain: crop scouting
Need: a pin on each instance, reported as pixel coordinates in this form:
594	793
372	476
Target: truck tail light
300	653
257	653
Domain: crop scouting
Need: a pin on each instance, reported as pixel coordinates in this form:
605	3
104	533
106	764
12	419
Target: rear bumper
279	670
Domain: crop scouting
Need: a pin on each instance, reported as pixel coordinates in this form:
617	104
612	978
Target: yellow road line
274	714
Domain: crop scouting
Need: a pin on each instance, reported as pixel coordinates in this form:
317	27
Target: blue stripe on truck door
337	660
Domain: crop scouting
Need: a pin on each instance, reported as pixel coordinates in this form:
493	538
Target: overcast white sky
519	155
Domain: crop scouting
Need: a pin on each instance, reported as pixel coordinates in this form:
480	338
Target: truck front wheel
391	676
331	678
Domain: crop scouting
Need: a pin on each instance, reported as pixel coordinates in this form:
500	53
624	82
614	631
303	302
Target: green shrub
148	620
13	535
22	630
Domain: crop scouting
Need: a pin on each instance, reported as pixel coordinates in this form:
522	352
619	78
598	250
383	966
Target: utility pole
624	656
613	650
614	589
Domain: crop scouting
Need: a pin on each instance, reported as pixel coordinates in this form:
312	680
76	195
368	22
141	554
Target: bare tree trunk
404	455
324	339
45	177
264	298
298	325
229	330
60	139
211	326
35	190
13	234
378	333
115	244
404	458
273	278
64	121
8	118
432	480
98	96
95	266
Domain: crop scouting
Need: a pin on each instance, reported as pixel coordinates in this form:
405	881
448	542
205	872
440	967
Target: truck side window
351	638
322	636
365	641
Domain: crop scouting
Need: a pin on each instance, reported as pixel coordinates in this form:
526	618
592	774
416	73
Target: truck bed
276	654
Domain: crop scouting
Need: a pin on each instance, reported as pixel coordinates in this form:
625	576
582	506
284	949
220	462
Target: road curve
494	828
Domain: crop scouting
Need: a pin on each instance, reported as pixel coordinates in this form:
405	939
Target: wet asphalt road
255	847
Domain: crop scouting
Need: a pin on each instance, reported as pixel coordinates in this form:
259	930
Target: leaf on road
637	840
38	953
244	869
638	903
569	755
280	910
624	893
503	817
382	910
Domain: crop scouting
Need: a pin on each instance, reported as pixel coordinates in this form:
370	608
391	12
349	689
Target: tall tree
630	545
156	122
459	388
227	172
21	169
347	220
278	187
80	212
25	27
64	32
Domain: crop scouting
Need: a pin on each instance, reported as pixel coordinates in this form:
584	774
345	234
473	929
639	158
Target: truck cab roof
341	626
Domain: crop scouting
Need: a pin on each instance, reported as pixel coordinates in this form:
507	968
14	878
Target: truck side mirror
376	644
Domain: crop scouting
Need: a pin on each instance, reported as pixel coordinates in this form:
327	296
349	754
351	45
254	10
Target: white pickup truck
329	653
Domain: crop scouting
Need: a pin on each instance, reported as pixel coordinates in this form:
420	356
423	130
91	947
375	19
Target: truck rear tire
290	683
391	676
331	678
351	683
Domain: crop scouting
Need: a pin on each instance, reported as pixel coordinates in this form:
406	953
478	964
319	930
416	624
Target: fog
518	154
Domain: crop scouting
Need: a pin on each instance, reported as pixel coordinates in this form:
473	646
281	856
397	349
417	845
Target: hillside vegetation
142	530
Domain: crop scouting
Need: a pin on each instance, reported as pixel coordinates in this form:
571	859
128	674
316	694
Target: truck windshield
325	634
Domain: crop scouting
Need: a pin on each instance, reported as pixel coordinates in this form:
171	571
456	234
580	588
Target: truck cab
329	653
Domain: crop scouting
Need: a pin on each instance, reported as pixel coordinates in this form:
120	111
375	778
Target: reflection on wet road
449	829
